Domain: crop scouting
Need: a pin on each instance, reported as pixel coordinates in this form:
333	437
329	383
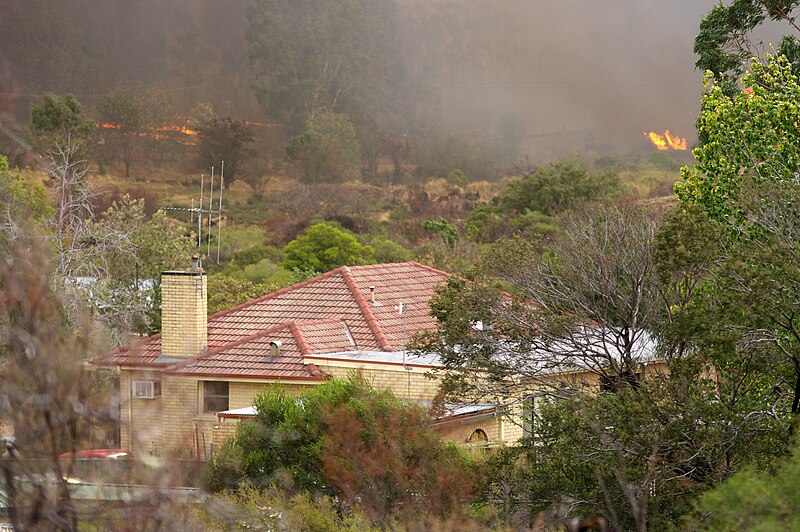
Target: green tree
327	151
344	438
265	273
445	230
129	252
223	139
324	247
724	43
745	179
599	270
24	198
635	439
123	115
558	187
58	119
389	251
312	55
752	500
457	156
637	457
59	130
225	292
751	141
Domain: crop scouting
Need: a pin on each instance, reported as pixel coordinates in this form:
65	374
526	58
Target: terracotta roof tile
330	313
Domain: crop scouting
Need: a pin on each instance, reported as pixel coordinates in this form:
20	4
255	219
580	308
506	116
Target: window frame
215	395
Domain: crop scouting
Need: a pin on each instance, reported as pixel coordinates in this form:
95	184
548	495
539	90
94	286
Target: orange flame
178	129
157	132
666	141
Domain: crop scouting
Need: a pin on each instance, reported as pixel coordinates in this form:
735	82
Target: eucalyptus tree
725	42
746	180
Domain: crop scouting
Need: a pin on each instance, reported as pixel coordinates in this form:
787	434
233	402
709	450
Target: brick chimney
184	310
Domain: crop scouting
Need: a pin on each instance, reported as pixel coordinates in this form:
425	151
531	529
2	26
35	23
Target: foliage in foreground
753	500
638	457
343	438
250	508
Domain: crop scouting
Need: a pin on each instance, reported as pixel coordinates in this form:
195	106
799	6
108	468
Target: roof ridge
318	322
374	326
447	274
378	264
302	345
432	269
276	293
236	343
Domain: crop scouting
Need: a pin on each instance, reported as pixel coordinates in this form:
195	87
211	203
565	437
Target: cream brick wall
459	431
410	384
512	425
140	419
184	309
181	416
241	394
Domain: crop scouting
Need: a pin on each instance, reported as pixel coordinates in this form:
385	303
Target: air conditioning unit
146	389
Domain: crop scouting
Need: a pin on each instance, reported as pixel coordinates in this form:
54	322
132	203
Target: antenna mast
210	204
200	214
219	209
210	212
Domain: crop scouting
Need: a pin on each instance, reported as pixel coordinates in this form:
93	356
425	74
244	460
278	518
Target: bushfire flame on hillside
165	132
158	132
666	141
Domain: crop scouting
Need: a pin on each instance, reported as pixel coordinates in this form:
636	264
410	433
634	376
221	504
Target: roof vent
275	347
372	297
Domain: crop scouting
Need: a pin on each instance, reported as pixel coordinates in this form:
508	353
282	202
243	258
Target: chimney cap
197	264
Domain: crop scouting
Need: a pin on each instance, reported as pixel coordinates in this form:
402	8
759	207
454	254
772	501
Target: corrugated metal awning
238	413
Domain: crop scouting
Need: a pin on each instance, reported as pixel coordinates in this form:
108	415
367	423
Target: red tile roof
331	313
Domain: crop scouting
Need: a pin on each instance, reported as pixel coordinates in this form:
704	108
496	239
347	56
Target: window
528	415
614	383
215	396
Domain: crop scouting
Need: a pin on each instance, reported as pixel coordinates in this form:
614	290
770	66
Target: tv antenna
209	212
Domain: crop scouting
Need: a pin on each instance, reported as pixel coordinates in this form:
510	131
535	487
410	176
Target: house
183	391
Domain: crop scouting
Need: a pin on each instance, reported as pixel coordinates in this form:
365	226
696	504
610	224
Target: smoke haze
574	75
558	78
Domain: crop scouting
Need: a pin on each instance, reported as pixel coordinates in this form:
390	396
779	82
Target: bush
458	158
249	508
752	500
345	439
324	247
558	187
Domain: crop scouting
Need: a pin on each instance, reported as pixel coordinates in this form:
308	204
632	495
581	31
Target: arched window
478	436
